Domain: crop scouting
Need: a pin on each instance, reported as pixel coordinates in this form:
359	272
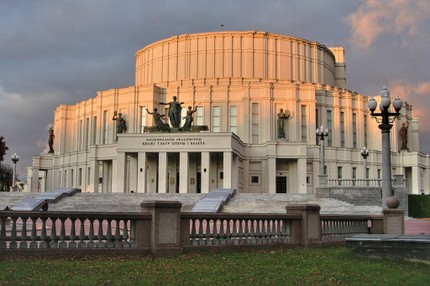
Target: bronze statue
51	137
120	123
161	126
189	118
281	117
174	112
404	136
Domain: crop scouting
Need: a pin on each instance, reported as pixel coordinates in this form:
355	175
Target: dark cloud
55	52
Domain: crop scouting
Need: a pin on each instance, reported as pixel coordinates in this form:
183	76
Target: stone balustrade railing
161	228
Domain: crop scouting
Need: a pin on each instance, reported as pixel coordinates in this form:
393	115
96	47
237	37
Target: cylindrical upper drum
232	54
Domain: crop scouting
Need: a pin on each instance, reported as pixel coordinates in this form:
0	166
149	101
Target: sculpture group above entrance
174	114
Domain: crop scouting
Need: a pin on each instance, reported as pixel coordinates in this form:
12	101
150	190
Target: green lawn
298	266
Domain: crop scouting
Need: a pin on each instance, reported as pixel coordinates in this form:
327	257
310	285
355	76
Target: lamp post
15	159
386	120
322	134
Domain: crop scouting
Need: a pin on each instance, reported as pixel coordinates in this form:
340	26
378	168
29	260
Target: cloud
375	18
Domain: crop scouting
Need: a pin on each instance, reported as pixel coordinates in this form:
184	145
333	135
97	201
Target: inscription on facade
183	141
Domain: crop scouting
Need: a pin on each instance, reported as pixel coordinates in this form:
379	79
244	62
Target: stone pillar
35	174
165	226
93	176
120	172
162	172
205	171
183	172
311	232
141	178
271	167
227	170
301	175
394	221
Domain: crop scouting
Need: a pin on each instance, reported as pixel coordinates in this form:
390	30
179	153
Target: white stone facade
239	81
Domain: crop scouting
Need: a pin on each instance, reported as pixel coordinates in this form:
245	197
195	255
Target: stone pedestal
310	224
394	221
165	226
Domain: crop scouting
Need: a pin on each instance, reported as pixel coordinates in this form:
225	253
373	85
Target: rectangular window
65	179
339	175
105	126
89	176
142	118
80	177
367	173
93	139
80	135
255	123
342	129
216	119
354	131
365	131
87	133
72	177
199	115
304	127
354	175
233	119
329	127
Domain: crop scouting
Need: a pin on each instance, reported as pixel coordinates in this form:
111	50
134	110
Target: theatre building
236	84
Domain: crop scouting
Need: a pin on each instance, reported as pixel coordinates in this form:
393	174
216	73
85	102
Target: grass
297	266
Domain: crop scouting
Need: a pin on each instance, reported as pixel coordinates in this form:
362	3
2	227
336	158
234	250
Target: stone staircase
240	202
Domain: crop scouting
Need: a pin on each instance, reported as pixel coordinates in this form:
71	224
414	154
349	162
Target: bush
419	206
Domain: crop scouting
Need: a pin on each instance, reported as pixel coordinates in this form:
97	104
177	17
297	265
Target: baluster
23	244
81	243
204	227
33	235
43	237
235	239
126	242
251	232
117	243
193	232
3	244
221	232
13	244
240	239
100	241
73	243
62	243
200	232
91	243
132	232
54	239
109	242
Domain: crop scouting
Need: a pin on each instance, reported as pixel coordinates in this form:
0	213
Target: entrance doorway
281	184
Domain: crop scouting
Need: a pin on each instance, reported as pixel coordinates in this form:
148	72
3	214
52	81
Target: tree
3	148
6	174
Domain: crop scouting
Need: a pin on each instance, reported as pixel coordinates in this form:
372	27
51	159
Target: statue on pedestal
51	137
120	123
174	112
404	136
161	126
189	118
281	117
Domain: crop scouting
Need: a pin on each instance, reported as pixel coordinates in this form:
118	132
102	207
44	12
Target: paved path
417	226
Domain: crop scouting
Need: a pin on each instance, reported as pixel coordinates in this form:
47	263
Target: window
255	180
342	129
93	139
339	173
105	126
199	115
365	131
329	127
80	177
87	133
304	127
354	175
233	119
142	118
216	119
354	131
255	123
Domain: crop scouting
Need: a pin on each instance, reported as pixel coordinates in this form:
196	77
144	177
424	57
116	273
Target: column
120	165
205	172
35	174
162	172
227	170
301	175
93	176
141	177
183	172
271	174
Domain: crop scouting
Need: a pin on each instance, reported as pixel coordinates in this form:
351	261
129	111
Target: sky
64	51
